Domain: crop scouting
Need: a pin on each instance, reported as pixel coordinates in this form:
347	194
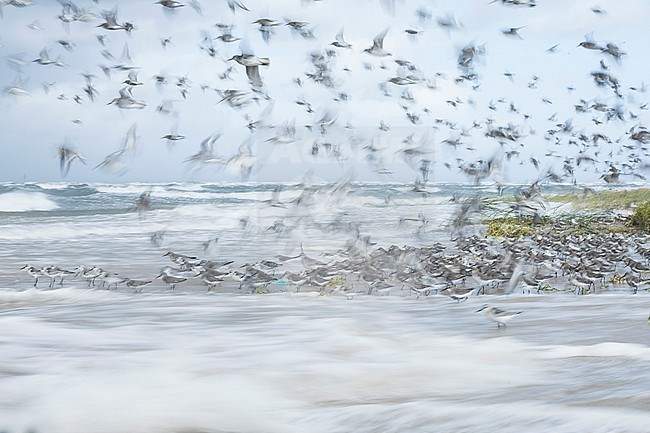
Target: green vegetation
593	213
618	199
575	223
641	217
510	227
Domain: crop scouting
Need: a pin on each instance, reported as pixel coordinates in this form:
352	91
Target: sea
81	358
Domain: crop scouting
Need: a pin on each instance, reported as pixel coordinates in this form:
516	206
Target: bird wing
63	160
207	146
125	93
111	17
253	73
339	37
130	140
378	42
233	3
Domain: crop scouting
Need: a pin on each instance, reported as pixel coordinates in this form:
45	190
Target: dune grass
591	212
616	199
575	223
641	217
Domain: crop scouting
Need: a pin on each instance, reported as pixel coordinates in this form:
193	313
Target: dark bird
66	155
513	32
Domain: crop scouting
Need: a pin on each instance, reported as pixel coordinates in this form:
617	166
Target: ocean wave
19	201
127	188
214	212
67	190
170	191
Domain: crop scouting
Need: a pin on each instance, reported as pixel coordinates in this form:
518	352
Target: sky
350	120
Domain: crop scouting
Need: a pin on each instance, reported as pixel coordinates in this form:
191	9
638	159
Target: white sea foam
286	363
10	299
145	372
128	188
53	185
19	201
601	350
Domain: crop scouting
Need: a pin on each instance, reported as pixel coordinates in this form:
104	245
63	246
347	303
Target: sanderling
109	279
89	274
54	272
497	315
34	272
340	42
459	295
170	279
185	262
377	48
136	285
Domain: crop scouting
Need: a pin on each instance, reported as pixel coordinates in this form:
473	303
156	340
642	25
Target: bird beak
481	309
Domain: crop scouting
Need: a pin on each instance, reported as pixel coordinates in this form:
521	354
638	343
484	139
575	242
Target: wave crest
18	201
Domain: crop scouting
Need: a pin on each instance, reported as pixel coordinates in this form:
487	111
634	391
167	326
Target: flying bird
252	64
340	42
126	100
67	154
377	48
513	32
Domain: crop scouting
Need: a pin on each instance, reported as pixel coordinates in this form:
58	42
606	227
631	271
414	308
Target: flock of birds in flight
332	138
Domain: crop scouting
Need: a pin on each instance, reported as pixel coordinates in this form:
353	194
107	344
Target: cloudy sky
349	117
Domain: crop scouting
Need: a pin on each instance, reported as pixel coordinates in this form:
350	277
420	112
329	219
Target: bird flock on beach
557	259
378	101
267	90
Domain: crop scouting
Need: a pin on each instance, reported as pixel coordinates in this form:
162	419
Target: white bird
34	272
240	5
252	64
497	315
377	48
172	137
244	161
126	100
133	79
110	22
114	163
126	63
130	141
206	153
44	59
340	42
